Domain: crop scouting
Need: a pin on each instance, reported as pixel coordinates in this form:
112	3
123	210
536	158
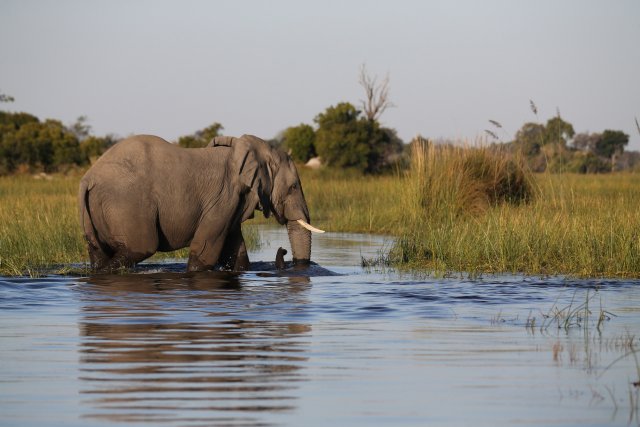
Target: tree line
28	144
342	136
555	147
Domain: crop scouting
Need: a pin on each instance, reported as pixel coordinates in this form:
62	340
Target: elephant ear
250	155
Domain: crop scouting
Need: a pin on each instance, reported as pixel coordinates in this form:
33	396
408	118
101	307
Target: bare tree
377	94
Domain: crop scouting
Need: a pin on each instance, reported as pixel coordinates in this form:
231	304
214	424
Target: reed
555	224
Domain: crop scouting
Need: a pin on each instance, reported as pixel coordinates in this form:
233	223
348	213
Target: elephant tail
88	229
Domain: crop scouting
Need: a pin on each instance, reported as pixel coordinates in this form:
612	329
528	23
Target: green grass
445	219
38	224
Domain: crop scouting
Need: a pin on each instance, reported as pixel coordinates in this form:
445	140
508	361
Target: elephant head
270	183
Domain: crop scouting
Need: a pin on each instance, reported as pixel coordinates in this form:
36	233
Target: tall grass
457	209
446	182
38	224
567	224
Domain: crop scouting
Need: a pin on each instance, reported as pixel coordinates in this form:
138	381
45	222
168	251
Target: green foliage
301	141
202	137
341	138
94	146
12	121
345	139
530	138
587	162
610	142
81	128
26	142
557	131
533	136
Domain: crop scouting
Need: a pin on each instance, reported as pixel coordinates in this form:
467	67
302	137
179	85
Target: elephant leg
137	239
206	247
98	258
123	257
234	253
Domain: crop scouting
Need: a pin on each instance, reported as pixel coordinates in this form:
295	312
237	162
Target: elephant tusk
309	227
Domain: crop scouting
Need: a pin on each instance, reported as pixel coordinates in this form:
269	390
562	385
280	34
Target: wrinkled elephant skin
146	195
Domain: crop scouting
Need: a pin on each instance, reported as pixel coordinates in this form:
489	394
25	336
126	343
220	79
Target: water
362	348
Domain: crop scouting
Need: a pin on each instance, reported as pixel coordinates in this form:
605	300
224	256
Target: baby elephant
146	195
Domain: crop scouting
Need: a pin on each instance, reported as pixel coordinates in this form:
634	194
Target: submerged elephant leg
123	257
98	258
234	253
205	249
210	238
204	254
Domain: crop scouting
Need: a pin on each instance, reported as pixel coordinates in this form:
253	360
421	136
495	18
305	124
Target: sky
170	68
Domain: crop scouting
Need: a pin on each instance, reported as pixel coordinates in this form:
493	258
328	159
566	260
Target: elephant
146	194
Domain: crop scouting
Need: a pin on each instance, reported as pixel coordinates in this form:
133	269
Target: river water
262	348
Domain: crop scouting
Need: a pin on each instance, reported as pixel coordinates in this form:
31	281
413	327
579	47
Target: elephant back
224	141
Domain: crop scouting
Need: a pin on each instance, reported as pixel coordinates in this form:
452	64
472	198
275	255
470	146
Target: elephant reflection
181	348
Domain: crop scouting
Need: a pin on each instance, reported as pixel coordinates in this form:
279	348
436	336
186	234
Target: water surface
161	347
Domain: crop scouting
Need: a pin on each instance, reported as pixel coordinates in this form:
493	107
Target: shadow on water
173	348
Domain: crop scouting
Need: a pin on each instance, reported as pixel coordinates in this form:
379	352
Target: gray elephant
146	195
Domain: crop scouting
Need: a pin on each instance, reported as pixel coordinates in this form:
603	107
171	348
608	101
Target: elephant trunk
300	239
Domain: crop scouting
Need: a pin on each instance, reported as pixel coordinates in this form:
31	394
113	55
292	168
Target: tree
557	131
586	141
347	140
42	146
94	146
12	121
81	128
202	137
342	139
377	95
611	142
48	145
300	140
530	138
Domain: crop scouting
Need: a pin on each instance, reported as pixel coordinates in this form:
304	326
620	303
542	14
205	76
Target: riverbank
580	225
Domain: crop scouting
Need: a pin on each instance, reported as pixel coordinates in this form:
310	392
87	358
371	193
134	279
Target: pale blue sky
172	67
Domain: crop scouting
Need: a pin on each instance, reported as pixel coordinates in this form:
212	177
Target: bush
448	181
300	141
345	139
202	137
28	144
94	146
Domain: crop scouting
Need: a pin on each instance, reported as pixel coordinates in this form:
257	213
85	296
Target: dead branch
377	95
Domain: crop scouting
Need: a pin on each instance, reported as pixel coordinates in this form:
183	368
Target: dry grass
577	225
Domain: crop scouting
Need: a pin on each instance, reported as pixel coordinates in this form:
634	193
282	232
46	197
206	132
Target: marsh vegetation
454	209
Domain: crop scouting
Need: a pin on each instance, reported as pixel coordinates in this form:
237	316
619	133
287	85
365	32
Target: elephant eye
293	188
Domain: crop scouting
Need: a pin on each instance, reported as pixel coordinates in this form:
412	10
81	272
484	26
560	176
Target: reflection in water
264	348
188	349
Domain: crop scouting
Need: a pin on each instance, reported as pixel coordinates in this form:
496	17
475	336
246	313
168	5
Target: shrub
300	140
202	137
345	139
449	181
